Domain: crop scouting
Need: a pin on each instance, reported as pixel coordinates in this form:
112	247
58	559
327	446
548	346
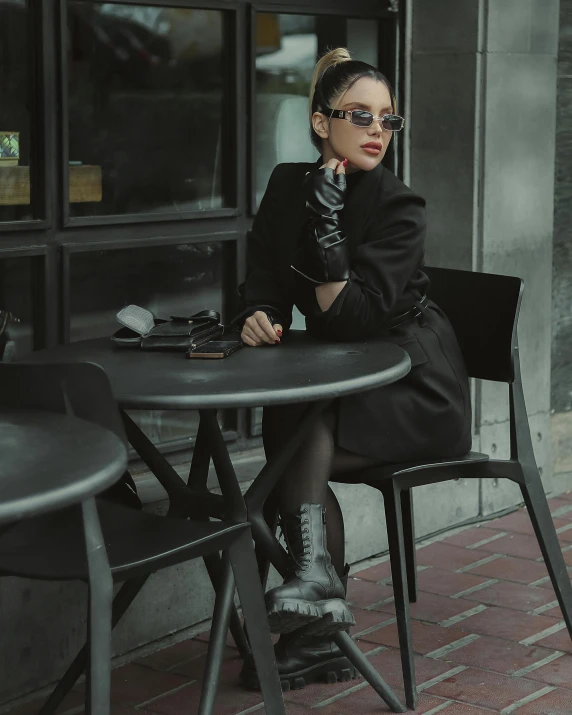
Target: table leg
243	562
181	497
191	499
159	466
198	477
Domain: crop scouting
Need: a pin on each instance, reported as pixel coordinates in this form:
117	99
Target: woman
343	240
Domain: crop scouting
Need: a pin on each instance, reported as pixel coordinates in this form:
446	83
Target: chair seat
52	547
377	473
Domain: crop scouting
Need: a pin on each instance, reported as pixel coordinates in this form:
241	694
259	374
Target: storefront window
148	109
167	280
286	52
15	197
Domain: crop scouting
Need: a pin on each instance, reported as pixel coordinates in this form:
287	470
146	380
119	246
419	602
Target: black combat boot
313	590
303	659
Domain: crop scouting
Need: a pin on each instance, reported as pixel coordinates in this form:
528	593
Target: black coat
427	414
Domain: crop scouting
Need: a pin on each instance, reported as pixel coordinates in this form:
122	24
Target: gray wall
482	73
562	263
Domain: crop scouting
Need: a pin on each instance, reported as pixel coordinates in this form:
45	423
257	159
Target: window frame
230	8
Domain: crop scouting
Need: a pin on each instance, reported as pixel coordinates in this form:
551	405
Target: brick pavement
487	633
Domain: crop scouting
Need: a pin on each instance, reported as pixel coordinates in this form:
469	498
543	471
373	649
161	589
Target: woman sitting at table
343	240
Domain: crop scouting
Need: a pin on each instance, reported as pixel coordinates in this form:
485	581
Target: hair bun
331	58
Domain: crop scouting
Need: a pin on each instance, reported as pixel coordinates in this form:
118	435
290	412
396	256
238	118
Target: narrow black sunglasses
361	118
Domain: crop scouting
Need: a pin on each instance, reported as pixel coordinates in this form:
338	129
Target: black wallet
142	330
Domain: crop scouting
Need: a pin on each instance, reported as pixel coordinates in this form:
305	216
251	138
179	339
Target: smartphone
215	349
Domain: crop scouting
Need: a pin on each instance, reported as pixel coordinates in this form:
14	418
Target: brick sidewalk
487	632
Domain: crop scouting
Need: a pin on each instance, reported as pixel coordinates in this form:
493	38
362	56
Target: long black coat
426	414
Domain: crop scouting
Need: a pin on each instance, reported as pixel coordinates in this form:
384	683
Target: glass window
286	52
15	202
167	280
148	109
256	422
16	297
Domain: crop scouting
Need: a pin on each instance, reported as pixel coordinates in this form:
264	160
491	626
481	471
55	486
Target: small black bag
142	330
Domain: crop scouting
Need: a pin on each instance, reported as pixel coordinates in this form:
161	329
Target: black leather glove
323	254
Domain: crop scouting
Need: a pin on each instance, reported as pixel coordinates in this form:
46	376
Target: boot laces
297	536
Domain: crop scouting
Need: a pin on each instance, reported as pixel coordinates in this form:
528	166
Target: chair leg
98	686
121	603
252	600
409	543
541	518
217	640
214	567
392	504
365	668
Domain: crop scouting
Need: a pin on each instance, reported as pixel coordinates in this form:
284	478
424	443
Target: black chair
138	544
483	310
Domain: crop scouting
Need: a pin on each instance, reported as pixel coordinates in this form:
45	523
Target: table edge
62	497
265	398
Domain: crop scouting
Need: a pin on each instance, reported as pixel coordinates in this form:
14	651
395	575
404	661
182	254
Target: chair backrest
483	309
78	388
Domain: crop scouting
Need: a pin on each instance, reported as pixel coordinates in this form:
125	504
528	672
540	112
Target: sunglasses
361	118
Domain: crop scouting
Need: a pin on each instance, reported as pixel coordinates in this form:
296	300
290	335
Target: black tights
306	478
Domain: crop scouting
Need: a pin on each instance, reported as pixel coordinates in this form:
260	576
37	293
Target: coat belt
415	312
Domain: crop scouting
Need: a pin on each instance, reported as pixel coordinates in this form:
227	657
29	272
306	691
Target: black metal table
299	370
49	461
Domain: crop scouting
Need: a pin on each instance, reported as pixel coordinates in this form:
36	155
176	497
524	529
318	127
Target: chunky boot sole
336	670
287	615
331	623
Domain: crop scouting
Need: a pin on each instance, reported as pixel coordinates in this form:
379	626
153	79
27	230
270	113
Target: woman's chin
366	163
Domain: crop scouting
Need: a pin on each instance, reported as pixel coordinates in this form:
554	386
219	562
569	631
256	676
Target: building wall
481	73
561	392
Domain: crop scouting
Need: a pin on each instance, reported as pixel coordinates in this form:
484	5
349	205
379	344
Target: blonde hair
335	72
330	59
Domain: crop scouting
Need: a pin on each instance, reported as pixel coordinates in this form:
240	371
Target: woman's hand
339	167
258	330
323	257
325	191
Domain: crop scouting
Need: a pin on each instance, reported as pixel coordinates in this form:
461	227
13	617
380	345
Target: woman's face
343	140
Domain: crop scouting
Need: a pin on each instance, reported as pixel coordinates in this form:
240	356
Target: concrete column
483	101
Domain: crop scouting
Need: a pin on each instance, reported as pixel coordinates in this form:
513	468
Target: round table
49	461
300	369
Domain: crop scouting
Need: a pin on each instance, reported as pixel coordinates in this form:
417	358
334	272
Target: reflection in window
167	280
286	53
16	297
15	202
146	127
256	421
